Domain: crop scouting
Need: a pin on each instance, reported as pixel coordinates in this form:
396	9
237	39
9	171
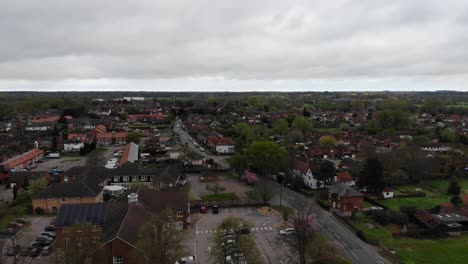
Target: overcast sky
236	45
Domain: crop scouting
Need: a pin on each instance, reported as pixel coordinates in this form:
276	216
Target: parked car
243	231
46	251
39	244
34	252
186	260
375	208
203	210
13	251
52	221
49	228
8	232
24	251
44	238
215	209
287	231
48	234
22	220
15	225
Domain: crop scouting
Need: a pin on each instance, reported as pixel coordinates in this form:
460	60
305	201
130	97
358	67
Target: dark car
49	228
15	225
13	251
48	234
8	232
243	231
39	244
35	252
215	209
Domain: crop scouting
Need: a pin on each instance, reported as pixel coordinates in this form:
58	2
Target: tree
233	246
281	126
454	188
327	141
264	190
449	136
302	124
249	177
396	178
160	240
8	242
456	200
215	188
326	172
322	251
37	185
123	115
133	137
253	102
303	222
265	155
80	246
239	163
15	192
371	176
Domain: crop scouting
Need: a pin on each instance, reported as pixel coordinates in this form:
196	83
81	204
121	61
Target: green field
442	185
419	202
452	250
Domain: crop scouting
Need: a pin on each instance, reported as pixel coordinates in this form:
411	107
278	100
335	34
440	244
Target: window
180	213
125	178
95	228
134	178
95	238
64	199
65	230
67	241
179	225
159	184
144	178
117	260
116	179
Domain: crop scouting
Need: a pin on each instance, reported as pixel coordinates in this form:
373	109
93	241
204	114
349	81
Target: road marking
261	228
242	211
36	220
253	229
354	255
250	210
206	232
256	229
270	228
261	251
266	223
197	232
195	248
336	236
215	231
211	231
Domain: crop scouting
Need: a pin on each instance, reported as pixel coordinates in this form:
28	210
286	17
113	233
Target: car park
39	244
35	252
203	209
49	228
22	221
48	234
13	251
46	251
186	260
24	252
287	232
15	225
8	232
215	209
243	231
44	238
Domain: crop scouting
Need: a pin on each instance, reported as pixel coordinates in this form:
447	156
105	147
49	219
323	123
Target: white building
73	146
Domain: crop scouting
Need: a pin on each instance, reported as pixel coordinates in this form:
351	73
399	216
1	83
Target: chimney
132	198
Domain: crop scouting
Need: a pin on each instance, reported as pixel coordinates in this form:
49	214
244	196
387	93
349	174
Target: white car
375	208
287	231
186	260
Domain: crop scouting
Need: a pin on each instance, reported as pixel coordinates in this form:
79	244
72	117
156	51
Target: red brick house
18	163
344	199
106	139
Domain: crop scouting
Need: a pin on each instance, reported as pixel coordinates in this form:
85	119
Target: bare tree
8	243
303	222
215	188
160	240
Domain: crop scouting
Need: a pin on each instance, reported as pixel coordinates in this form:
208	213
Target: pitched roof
72	214
343	190
129	154
302	166
427	219
20	159
344	177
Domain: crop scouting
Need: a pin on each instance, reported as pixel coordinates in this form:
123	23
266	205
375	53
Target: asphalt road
185	139
355	249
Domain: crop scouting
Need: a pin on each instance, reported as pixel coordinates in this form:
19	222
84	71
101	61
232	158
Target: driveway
264	231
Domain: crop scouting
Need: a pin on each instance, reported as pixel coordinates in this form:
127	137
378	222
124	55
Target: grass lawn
442	185
419	202
220	197
451	250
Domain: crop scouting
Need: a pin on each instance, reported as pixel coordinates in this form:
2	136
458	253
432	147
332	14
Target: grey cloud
239	40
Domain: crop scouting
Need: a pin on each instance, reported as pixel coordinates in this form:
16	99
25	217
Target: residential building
344	199
302	169
129	154
22	161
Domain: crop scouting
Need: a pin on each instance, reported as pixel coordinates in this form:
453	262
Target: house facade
302	169
22	161
344	199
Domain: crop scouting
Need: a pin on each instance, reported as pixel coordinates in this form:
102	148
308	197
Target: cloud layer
144	45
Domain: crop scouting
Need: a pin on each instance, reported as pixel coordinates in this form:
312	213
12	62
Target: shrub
322	204
39	210
408	210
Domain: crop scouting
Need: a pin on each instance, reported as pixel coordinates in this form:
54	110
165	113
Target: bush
408	210
322	204
39	210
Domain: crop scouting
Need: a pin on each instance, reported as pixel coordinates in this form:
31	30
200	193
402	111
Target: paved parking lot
27	235
64	163
265	232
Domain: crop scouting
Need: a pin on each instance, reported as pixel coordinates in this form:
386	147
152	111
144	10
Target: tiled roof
302	166
343	190
344	177
20	159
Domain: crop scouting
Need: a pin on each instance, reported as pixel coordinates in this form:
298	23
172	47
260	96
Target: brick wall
49	204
